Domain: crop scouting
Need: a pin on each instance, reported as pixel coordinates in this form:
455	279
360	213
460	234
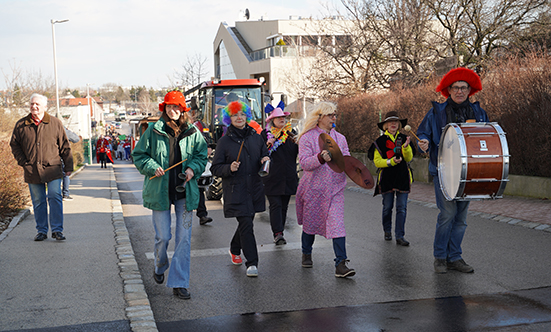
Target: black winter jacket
243	190
283	178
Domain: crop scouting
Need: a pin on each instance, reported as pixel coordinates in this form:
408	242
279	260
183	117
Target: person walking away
282	180
165	143
320	193
202	212
237	160
73	138
391	153
39	144
102	146
457	86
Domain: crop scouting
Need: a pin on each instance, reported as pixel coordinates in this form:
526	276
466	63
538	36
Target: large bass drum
473	161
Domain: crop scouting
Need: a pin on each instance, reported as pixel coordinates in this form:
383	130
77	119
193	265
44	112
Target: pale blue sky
127	42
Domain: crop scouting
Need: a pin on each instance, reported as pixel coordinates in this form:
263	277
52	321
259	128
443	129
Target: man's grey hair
43	99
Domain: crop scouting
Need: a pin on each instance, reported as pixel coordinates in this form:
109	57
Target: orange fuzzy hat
459	74
174	98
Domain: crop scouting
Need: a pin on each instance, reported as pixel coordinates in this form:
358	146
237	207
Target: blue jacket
152	151
434	122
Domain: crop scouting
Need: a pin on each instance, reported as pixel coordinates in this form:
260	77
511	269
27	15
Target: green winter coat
151	152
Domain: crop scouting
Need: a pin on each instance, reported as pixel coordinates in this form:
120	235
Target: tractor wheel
214	192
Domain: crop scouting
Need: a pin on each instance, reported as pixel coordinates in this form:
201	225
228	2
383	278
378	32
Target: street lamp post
55	65
89	122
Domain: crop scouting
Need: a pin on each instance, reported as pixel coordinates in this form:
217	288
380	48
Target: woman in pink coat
320	193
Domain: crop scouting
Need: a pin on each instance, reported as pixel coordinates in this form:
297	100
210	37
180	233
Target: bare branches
193	71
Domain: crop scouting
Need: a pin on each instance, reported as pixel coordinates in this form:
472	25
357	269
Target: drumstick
239	154
168	169
408	129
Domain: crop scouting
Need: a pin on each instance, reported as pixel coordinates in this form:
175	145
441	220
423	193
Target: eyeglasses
240	114
460	88
333	115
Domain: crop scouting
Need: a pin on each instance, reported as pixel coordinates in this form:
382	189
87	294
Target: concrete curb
25	212
138	308
496	217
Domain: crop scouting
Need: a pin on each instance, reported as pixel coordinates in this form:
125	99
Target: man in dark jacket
39	144
457	85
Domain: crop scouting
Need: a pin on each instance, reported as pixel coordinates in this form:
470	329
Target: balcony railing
280	51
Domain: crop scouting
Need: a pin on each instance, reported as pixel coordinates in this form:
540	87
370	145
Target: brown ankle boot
307	260
342	271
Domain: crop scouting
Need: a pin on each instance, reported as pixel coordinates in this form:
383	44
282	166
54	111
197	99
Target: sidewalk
90	282
528	212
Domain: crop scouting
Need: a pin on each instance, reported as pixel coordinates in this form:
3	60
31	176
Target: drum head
450	163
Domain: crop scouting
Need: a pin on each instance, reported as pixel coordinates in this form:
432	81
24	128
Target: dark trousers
243	239
278	211
103	159
202	208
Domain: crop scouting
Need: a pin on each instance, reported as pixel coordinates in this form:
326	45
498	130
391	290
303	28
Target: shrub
516	94
13	191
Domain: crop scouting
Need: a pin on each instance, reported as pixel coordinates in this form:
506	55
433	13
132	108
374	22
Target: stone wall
518	185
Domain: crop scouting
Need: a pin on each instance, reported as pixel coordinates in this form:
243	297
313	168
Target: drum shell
483	161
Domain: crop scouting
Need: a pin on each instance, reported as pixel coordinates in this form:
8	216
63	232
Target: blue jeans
66	182
178	275
450	226
41	200
339	246
401	211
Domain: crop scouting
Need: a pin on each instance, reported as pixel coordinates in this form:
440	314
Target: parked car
118	125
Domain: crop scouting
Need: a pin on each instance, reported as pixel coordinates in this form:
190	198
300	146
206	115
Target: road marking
260	248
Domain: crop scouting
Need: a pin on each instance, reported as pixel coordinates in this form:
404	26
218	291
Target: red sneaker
236	259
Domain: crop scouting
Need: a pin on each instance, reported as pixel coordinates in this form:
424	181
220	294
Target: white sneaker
252	271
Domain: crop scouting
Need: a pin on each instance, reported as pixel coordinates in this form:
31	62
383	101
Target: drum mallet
168	169
408	129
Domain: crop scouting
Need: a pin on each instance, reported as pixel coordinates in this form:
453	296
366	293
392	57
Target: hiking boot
307	260
181	293
279	239
342	271
461	266
402	242
440	265
58	236
40	237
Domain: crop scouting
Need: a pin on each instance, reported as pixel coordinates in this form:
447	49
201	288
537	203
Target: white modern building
280	51
79	114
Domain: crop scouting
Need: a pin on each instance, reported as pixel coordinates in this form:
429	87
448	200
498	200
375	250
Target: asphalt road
395	288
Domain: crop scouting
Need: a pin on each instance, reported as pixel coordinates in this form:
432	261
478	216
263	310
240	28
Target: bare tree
403	29
193	71
475	29
20	85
